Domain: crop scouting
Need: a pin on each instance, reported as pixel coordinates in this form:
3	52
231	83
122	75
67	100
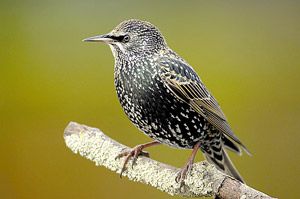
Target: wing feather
184	82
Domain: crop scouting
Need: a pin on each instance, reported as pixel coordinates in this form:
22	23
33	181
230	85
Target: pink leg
188	166
135	152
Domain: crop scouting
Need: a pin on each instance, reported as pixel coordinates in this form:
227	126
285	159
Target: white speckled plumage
164	97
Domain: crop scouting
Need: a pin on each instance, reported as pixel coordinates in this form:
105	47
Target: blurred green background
246	52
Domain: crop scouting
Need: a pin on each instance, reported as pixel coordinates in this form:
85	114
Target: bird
164	98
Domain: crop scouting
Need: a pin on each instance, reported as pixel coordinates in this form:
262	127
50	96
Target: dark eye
126	38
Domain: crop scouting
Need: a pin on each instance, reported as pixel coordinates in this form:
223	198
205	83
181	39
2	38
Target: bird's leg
188	166
135	152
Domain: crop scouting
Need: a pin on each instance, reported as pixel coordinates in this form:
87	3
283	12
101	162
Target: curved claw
135	152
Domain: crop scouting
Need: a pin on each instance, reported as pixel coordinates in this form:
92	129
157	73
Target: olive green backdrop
246	52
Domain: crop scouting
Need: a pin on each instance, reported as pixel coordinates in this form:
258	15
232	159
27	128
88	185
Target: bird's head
133	37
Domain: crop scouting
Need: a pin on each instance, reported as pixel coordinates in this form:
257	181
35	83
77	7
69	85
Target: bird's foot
135	152
187	168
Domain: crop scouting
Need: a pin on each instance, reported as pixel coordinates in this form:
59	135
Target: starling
164	98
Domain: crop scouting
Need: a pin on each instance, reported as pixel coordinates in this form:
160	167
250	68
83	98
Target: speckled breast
153	109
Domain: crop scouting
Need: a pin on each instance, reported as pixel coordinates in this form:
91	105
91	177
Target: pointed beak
102	38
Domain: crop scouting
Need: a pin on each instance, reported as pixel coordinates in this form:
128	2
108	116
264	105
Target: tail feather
222	162
229	144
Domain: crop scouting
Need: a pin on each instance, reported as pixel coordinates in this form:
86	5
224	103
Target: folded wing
183	81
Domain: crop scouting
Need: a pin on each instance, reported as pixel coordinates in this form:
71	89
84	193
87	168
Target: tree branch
205	180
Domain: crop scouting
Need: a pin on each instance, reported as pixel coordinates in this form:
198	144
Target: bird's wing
184	82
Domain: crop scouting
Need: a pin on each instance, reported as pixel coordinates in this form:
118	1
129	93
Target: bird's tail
221	160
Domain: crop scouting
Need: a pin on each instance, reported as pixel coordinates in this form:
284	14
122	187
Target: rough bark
204	181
